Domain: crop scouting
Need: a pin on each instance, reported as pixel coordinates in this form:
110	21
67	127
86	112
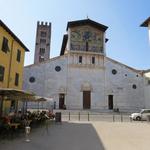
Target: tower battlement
41	23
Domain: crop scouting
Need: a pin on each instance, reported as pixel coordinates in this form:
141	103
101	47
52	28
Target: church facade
83	77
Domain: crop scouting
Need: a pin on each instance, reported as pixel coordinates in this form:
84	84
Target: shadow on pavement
64	136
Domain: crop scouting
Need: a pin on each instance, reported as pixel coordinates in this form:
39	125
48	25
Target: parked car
144	114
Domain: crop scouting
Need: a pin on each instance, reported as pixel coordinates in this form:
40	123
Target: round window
57	68
114	71
134	86
32	79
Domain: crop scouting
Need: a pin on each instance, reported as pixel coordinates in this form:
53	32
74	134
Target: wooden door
61	101
110	102
86	99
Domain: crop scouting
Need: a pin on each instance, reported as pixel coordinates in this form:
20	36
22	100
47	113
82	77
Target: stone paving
84	136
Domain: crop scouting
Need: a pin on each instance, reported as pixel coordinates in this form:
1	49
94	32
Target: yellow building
12	52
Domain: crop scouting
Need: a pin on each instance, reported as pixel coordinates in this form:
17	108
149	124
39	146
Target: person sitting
51	115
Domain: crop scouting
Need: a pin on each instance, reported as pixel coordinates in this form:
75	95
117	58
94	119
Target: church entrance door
86	99
61	100
110	102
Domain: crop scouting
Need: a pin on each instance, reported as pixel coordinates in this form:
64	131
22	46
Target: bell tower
42	45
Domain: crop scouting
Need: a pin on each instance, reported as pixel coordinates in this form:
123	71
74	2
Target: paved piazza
75	135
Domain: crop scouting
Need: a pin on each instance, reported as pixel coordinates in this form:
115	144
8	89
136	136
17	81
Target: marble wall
64	74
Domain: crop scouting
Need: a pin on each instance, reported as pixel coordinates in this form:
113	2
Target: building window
93	60
43	41
18	55
80	59
2	71
32	79
41	58
57	68
87	46
134	86
114	71
101	50
5	47
43	34
42	51
17	79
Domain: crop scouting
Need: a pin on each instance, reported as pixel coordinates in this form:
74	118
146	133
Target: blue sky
128	43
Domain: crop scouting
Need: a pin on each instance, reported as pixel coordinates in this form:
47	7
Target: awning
41	99
15	94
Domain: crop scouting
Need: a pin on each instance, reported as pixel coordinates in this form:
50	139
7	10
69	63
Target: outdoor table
14	125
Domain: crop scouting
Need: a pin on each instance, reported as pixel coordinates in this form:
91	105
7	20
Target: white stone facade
74	78
83	77
147	89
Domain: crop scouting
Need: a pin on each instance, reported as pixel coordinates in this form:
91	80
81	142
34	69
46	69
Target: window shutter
2	70
18	55
5	46
17	79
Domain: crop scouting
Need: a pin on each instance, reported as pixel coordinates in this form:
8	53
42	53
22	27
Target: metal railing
87	116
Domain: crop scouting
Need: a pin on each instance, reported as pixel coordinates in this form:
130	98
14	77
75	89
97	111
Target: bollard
148	118
88	116
69	116
130	119
27	132
79	116
113	118
121	117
